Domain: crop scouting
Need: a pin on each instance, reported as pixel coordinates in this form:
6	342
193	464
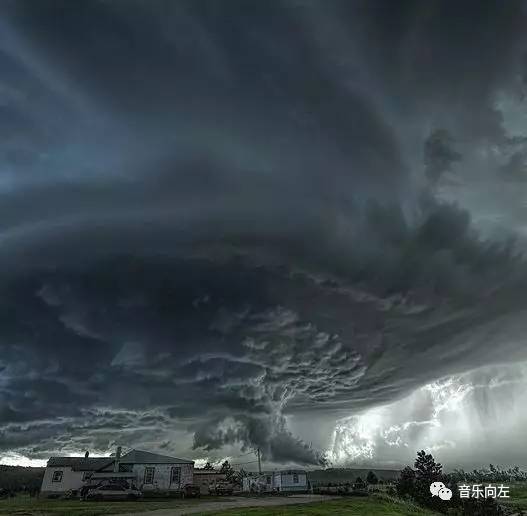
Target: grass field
372	506
375	505
25	506
518	496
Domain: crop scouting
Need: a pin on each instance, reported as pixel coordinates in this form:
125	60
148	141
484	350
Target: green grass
25	506
518	496
376	505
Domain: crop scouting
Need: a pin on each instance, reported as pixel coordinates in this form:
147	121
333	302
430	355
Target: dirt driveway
235	503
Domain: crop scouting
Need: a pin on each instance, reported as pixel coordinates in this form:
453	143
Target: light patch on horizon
440	417
15	459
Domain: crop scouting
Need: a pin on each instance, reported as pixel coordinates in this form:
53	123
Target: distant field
342	475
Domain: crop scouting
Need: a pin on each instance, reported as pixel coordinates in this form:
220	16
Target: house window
268	480
149	475
175	475
295	478
57	476
126	468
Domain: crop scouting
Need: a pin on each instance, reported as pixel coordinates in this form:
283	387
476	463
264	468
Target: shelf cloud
219	220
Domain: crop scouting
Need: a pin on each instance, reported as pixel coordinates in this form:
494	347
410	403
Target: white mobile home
278	481
150	472
291	480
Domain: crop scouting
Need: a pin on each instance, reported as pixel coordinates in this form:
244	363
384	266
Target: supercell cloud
294	225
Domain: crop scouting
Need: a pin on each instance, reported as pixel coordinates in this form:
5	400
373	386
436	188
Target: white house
150	472
63	474
154	472
280	481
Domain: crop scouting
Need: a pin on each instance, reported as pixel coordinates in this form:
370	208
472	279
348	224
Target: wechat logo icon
439	489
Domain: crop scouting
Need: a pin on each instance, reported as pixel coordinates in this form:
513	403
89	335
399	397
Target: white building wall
287	482
74	479
162	475
70	480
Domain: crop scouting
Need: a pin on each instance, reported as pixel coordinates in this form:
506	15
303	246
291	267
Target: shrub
371	478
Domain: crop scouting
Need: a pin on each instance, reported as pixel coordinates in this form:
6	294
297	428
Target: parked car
113	492
71	494
190	491
223	488
86	489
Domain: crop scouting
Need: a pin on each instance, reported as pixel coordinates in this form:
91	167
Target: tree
239	476
228	471
405	485
427	469
371	478
208	467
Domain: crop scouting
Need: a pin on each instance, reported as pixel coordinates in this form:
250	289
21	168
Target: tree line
490	474
14	479
414	484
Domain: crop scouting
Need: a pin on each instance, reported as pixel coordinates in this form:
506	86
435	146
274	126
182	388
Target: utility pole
259	462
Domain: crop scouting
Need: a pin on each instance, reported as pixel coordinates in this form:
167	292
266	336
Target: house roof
143	457
98	463
79	463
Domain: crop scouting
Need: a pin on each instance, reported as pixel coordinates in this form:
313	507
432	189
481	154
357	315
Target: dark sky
284	224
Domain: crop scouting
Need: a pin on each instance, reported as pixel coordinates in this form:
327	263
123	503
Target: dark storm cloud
210	220
439	154
442	54
515	168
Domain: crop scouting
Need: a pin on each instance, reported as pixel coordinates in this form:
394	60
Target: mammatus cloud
216	221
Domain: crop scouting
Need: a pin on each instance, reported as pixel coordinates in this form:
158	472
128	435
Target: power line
243	454
256	452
